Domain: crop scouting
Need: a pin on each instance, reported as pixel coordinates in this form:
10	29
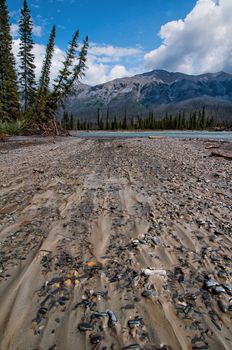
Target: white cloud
108	62
36	6
14	28
118	71
113	52
39	52
199	43
97	72
37	30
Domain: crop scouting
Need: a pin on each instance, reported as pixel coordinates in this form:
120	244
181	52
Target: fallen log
223	154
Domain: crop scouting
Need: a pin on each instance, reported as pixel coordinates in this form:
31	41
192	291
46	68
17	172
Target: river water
215	135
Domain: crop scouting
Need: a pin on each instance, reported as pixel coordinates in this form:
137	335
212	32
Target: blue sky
126	23
129	36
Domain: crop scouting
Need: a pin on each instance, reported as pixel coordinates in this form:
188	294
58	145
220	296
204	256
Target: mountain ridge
158	91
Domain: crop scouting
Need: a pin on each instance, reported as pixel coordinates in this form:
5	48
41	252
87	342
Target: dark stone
95	339
84	327
208	284
43	310
218	290
131	347
222	306
134	323
147	293
112	318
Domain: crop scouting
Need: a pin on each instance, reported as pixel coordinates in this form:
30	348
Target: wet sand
115	244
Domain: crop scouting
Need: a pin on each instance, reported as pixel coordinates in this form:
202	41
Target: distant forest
197	120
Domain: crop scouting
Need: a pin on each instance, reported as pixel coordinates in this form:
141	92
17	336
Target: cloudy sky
129	37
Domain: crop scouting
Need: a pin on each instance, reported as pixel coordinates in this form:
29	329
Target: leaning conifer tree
78	70
9	97
66	72
73	70
27	66
43	88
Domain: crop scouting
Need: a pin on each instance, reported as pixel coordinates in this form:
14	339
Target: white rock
153	272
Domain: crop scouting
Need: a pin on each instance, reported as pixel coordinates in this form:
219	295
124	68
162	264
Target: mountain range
158	91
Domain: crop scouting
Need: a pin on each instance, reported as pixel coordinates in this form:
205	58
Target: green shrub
13	127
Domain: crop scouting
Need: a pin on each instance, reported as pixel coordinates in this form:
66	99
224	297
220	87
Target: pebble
131	347
134	323
43	310
222	306
95	339
100	314
191	296
112	318
40	171
84	327
151	272
147	293
218	290
156	240
208	284
227	287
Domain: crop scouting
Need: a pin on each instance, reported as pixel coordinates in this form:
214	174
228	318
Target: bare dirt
115	244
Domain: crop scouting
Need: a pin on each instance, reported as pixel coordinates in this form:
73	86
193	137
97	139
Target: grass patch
13	127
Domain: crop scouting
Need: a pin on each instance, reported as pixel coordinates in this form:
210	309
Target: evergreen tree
77	73
101	124
124	123
183	121
211	123
43	89
132	122
71	122
203	121
66	72
170	122
194	120
107	118
98	118
27	66
199	120
65	120
115	123
65	83
9	97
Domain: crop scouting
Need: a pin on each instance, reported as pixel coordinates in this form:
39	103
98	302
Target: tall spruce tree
107	118
43	88
66	72
68	75
27	66
9	97
78	71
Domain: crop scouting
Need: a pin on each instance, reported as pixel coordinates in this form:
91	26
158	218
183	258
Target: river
215	135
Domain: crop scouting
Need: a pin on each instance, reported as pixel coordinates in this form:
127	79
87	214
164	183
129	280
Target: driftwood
50	128
156	137
55	125
212	146
223	154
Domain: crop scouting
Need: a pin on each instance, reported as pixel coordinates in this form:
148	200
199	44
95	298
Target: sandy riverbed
115	244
